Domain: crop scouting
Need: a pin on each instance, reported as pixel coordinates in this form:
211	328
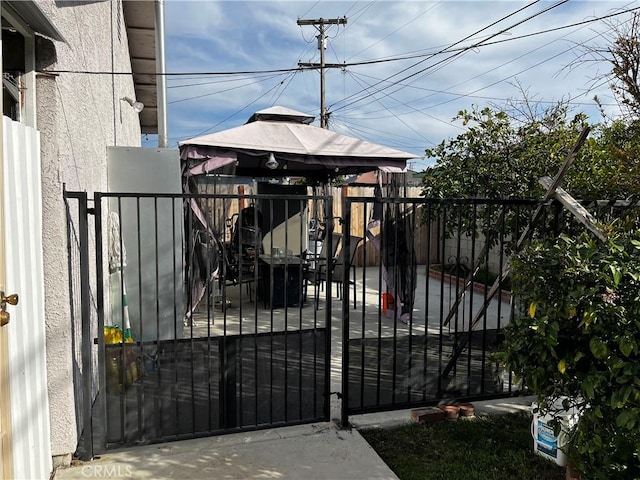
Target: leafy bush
579	336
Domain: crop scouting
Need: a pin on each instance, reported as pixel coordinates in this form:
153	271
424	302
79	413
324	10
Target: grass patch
495	447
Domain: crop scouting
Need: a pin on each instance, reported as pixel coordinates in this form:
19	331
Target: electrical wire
520	72
397	29
462	95
290	78
349	64
415	110
309	9
488	71
215	82
402	121
485	44
457	54
222	91
229	117
368	133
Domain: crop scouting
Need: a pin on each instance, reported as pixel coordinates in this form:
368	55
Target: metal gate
228	304
427	325
209	294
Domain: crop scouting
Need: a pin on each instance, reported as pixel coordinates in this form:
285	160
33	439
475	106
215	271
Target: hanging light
272	163
137	106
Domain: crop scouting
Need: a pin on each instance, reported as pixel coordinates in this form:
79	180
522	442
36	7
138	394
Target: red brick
427	415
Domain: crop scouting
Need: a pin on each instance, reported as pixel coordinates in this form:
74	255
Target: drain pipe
161	80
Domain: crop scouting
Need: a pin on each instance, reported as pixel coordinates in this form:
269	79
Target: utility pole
322	45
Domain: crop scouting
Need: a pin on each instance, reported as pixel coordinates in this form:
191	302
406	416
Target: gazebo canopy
298	148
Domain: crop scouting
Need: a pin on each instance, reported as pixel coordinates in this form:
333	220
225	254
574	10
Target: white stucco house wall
68	62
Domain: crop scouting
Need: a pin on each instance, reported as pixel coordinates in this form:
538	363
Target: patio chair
316	273
338	269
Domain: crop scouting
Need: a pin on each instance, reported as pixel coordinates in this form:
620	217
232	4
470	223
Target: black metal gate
228	301
427	325
210	300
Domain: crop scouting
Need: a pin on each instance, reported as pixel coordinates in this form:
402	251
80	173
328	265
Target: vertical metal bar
238	360
346	243
140	316
503	216
397	300
255	313
382	256
210	316
314	203
266	294
456	274
299	300
121	353
489	228
427	306
140	391
87	341
410	230
443	239
474	227
327	323
157	312
101	400
363	316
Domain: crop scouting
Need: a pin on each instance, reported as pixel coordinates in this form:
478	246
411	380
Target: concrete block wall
469	254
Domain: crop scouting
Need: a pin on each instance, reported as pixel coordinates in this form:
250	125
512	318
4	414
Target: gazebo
280	142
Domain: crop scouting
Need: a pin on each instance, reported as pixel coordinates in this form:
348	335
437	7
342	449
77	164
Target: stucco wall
78	115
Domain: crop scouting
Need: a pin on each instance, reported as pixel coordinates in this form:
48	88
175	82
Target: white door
22	207
6	452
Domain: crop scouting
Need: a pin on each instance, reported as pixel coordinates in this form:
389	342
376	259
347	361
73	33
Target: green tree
610	165
499	157
579	338
502	157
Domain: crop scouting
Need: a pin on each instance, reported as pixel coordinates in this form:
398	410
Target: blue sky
415	112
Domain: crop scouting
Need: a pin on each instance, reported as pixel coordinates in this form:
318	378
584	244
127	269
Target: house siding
79	115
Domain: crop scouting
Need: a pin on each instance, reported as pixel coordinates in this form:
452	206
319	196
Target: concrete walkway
310	452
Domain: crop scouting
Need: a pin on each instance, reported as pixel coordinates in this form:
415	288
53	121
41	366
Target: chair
318	264
338	269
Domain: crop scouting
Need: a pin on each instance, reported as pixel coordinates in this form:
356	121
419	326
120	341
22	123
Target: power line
484	73
215	82
398	29
415	110
206	74
465	95
485	44
455	54
401	120
238	111
223	91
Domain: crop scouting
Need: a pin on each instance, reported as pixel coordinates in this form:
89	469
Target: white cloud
260	35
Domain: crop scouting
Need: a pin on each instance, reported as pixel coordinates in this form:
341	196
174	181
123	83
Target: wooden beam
575	208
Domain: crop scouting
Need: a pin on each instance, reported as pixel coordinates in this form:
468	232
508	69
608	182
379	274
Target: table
281	280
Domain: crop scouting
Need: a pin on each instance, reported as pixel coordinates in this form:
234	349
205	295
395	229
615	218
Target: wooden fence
360	216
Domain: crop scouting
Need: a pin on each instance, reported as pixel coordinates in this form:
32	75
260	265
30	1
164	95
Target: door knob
11	300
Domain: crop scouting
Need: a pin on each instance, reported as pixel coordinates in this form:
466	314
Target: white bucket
545	443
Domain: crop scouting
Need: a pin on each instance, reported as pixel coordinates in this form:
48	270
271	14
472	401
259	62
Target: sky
408	66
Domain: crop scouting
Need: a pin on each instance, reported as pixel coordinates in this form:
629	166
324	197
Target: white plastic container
545	443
